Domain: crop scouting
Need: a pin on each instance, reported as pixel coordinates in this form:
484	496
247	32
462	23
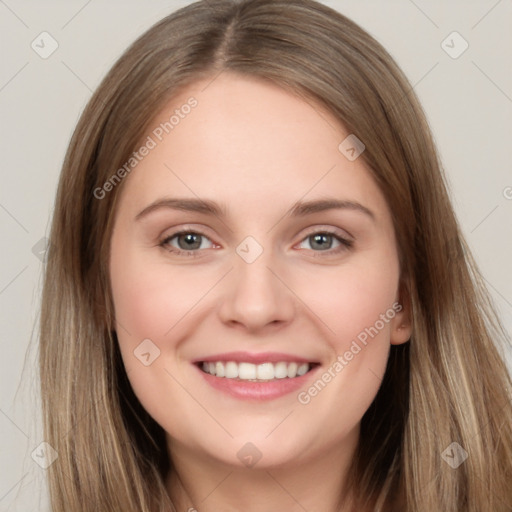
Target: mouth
256	377
251	372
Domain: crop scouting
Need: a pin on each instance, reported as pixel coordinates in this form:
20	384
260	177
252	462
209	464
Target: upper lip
255	358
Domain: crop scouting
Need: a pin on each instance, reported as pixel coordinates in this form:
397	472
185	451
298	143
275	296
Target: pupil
321	241
191	241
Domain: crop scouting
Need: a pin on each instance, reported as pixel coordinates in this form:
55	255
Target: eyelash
344	243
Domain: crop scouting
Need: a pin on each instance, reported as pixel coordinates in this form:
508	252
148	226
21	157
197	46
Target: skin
256	149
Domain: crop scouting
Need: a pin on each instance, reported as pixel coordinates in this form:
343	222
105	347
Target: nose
255	297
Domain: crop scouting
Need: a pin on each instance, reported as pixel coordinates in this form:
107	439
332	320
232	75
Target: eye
191	242
186	242
326	241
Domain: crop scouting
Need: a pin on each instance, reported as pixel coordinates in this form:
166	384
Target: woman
257	296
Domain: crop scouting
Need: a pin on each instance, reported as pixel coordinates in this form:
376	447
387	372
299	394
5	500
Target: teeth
281	370
256	372
220	370
246	371
302	369
231	370
292	370
265	371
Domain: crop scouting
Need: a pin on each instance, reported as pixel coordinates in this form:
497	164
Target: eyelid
345	243
184	231
331	230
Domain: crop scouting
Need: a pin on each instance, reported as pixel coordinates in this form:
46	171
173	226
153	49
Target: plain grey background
467	96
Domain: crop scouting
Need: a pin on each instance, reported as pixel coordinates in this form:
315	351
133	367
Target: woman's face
248	242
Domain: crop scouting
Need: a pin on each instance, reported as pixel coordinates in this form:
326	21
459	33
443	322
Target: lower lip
259	391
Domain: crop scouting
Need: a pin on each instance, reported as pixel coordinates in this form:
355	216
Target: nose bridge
254	296
253	260
255	277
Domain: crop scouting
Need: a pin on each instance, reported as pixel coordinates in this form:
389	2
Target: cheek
355	299
150	300
154	302
356	302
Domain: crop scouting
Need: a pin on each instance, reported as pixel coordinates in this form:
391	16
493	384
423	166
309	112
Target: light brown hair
448	384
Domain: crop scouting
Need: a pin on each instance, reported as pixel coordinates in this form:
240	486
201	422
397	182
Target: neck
314	484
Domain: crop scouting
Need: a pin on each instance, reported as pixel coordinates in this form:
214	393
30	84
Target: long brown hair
449	384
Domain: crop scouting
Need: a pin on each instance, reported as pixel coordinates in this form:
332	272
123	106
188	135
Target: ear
401	324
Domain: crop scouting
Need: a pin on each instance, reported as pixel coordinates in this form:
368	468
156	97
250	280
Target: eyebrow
299	209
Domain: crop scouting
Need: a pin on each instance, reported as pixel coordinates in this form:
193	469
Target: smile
256	377
256	372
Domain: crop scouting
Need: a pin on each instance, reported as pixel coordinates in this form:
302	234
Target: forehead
247	143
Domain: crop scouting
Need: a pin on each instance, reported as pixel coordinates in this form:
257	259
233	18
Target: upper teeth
249	371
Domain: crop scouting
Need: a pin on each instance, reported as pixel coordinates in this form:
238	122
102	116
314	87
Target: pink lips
263	357
256	391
